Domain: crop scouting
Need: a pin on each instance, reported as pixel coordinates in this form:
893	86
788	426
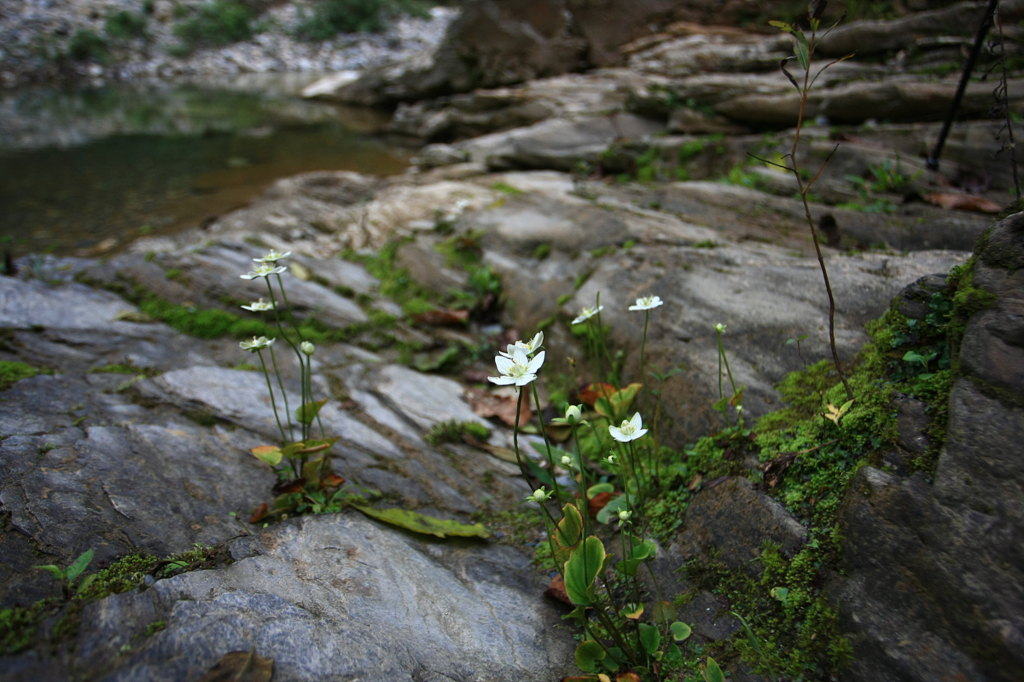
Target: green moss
173	273
452	431
12	372
506	188
18	626
462	251
155	627
115	369
542	251
603	251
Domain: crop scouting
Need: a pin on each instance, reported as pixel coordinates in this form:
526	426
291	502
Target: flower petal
536	362
504	364
502	381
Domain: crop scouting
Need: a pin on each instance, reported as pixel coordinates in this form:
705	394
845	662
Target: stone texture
935	586
315	598
737	520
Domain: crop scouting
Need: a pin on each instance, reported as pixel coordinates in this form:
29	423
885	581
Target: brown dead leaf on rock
597	503
963	202
441	317
500	404
556	590
241	666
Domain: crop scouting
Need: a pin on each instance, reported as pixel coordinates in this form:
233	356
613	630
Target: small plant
331	17
735	399
68	576
124	24
216	23
452	432
86	45
804	48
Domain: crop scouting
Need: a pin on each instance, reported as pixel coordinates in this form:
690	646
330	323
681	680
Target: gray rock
557	143
737	520
314	599
936	569
434	155
877	37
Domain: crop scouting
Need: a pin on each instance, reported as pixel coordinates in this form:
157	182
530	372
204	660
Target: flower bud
567	461
573	415
307	348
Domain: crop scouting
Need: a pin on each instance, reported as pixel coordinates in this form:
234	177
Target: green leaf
594	490
711	672
801	53
581	570
588	654
55	570
570	527
781	593
540	474
650	637
622	399
663	612
644	551
420	523
85	582
271	454
628	567
306	413
78	565
612	509
578	614
680	631
603	406
632	611
782	26
673	654
720	405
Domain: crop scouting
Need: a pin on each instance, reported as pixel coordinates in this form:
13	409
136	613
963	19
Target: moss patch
452	431
12	372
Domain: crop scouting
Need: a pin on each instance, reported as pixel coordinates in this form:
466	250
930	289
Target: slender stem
280	383
814	231
309	382
643	378
547	445
613	375
273	403
280	329
725	358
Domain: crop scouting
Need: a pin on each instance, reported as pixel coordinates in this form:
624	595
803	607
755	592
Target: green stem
547	444
280	383
273	403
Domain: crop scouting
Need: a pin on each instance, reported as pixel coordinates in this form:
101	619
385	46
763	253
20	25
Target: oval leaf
650	637
588	654
663	612
570	527
599	488
713	673
420	523
581	569
271	454
306	413
680	631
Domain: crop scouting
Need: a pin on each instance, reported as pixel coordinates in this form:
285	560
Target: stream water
88	171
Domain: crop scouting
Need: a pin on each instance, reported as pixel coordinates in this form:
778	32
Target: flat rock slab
334	597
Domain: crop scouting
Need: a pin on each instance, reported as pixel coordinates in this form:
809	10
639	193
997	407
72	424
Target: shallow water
92	170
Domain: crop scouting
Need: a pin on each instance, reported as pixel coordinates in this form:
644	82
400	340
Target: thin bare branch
832	63
824	163
770	162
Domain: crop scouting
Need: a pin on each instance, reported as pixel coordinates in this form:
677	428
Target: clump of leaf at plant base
307	485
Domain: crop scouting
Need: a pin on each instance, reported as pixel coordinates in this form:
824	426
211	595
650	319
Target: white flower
529	347
646	303
264	270
720	328
307	347
739	408
567	461
629	430
258	306
587	313
573	414
272	257
257	344
518	369
611	459
539	495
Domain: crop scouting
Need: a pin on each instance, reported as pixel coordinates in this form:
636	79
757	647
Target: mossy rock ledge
935	570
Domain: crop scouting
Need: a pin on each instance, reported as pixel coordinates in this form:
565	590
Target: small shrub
125	24
215	23
331	17
86	45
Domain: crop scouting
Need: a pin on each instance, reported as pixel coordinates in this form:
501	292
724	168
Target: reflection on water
150	162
